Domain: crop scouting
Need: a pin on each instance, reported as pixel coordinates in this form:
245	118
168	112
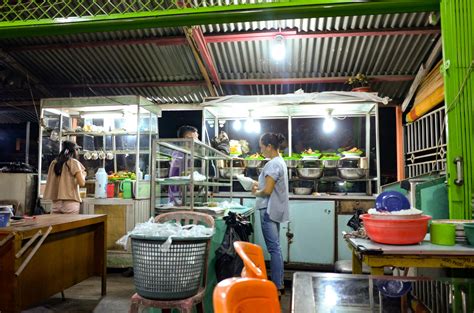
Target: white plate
396	216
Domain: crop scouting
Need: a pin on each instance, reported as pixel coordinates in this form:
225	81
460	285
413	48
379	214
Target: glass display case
114	132
184	173
341	159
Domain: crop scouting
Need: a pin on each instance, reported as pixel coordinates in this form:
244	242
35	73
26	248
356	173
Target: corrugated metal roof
12	115
385	88
309	57
111	64
402	20
93	37
178	94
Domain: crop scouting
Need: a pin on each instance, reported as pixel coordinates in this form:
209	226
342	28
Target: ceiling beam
197	57
293	34
272	81
314	80
70	24
201	45
233	37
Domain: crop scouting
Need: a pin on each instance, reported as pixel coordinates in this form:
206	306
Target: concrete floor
85	297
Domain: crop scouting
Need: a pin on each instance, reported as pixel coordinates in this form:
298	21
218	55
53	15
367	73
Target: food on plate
353	151
122	175
255	156
329	156
293	156
310	152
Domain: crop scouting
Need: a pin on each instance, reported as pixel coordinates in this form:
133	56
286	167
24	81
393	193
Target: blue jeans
271	234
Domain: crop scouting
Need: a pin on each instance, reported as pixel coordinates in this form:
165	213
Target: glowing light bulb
237	125
278	49
328	125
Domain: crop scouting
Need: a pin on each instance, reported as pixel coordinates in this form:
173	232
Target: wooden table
424	254
47	255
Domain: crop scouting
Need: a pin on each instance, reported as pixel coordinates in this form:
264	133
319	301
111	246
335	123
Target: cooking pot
362	163
237	162
311	164
348	163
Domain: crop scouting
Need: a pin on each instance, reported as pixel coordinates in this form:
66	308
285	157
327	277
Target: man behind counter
177	164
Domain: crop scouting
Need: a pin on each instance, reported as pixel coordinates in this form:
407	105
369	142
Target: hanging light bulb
329	125
278	48
237	125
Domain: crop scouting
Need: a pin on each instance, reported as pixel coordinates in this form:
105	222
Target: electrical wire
32	98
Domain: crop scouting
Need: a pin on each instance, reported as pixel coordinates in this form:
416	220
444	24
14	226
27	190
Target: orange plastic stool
254	262
246	295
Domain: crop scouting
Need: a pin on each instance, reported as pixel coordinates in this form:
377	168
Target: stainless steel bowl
348	163
292	163
310	172
352	173
253	163
330	163
302	190
226	172
311	164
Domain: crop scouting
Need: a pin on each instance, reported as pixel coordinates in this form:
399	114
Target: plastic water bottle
101	184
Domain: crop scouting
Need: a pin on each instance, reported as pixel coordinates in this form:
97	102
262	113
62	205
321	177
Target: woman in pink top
65	175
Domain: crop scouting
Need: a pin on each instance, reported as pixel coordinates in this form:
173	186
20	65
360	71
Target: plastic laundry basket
172	274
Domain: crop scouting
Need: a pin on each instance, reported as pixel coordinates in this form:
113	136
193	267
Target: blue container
4	218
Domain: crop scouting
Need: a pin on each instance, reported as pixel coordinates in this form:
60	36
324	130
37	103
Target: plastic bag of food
246	182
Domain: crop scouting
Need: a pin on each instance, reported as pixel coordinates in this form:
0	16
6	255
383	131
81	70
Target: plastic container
469	232
101	184
4	218
443	234
172	274
110	190
126	188
396	232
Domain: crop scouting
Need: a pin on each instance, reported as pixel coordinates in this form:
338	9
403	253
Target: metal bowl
253	163
330	163
352	173
310	172
311	164
226	172
292	163
348	163
302	190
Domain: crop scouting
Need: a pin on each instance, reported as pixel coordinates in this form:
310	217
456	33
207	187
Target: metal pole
290	130
27	148
377	145
367	150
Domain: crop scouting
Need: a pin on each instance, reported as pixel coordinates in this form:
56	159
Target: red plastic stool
184	305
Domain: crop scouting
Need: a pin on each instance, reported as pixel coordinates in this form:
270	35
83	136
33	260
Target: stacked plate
393	205
460	236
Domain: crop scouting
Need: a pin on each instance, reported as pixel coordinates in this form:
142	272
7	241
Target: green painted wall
457	29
